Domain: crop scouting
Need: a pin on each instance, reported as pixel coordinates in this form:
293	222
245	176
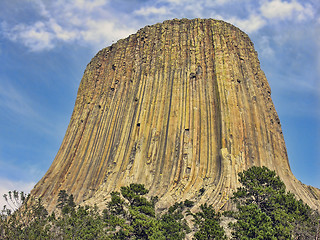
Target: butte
179	106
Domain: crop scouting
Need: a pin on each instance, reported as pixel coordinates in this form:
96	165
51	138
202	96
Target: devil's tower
179	106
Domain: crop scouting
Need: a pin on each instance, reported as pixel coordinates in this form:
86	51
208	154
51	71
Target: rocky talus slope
179	106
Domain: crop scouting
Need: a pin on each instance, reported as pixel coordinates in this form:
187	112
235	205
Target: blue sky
45	46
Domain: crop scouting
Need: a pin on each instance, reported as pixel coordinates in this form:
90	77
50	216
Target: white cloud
87	21
88	5
99	32
221	2
61	33
249	25
205	3
36	37
7	185
286	10
176	2
98	22
265	48
146	11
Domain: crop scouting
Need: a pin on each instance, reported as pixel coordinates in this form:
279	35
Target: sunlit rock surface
179	106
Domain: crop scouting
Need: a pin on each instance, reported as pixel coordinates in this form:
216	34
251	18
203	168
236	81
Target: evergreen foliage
267	211
264	211
208	223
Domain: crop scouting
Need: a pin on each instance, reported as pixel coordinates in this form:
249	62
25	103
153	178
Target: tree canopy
264	210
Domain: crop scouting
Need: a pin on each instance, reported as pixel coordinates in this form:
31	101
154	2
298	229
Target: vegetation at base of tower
207	222
30	222
264	210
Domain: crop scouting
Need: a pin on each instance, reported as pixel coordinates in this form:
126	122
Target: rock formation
179	106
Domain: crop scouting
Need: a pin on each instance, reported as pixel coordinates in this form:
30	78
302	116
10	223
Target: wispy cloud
37	37
265	47
205	3
100	33
98	22
18	105
88	21
146	11
286	10
15	101
249	25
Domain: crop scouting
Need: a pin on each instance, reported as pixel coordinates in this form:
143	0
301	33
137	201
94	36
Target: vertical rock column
178	106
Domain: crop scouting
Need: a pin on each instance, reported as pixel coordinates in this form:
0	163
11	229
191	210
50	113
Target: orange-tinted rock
179	106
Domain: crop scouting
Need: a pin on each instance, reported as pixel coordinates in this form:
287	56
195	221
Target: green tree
141	211
267	211
173	224
208	223
130	215
62	199
15	200
253	224
28	222
82	222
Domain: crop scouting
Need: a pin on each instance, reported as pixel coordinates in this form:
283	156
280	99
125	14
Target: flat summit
181	107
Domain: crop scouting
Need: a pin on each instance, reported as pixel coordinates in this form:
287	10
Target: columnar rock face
178	106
